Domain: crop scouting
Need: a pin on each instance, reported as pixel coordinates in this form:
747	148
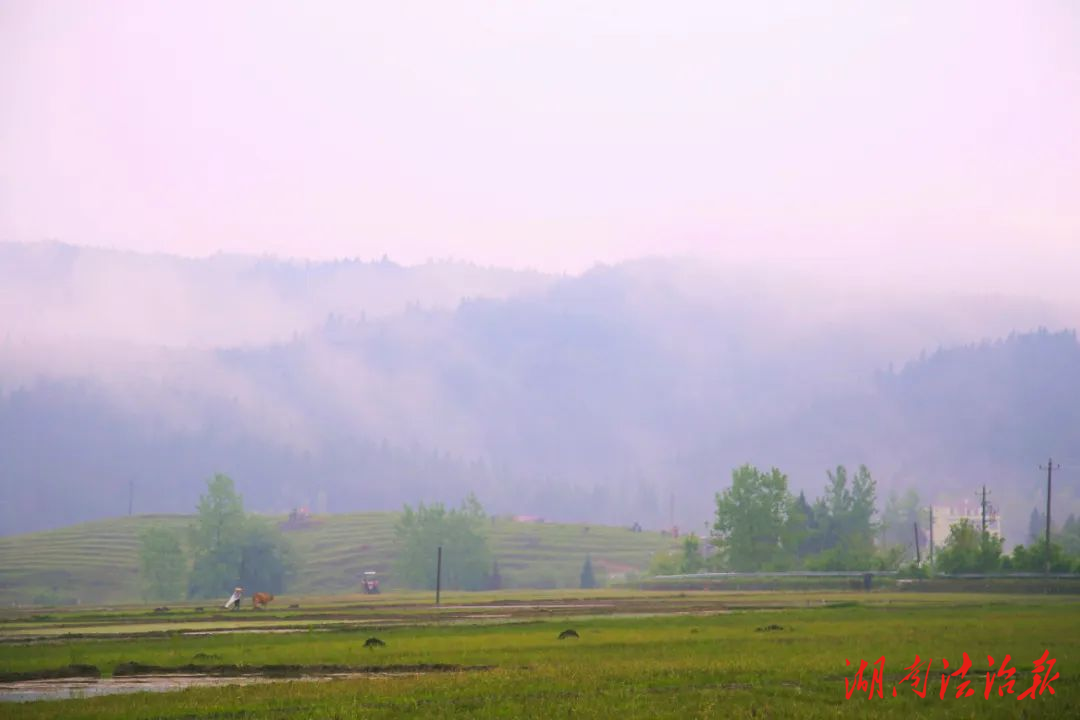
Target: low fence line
793	573
860	574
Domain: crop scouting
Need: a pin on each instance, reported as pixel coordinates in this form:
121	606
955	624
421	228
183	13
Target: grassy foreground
640	655
97	562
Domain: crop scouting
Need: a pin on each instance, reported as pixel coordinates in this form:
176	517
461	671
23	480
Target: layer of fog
615	379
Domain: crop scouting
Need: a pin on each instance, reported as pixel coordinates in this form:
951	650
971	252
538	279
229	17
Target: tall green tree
216	537
265	559
967	550
1033	558
162	566
845	528
897	522
804	526
230	548
1036	526
1069	536
752	530
460	532
691	560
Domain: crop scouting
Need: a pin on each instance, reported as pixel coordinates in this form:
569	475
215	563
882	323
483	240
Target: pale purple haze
912	142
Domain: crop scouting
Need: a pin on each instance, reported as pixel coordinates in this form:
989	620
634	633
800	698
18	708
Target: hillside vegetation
97	562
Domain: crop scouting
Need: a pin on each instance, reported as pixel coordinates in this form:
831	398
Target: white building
945	516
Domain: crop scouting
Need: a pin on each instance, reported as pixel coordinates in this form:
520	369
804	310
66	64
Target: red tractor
370	583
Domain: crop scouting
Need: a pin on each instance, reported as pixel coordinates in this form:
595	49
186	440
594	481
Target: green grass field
639	655
98	562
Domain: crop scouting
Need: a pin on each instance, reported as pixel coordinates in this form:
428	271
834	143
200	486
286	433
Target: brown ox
260	599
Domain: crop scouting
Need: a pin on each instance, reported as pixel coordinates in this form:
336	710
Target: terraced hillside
98	562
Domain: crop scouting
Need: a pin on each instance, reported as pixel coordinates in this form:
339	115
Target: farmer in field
233	603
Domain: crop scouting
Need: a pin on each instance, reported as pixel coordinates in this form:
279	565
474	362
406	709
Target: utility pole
918	554
438	576
931	536
982	502
1049	476
131	496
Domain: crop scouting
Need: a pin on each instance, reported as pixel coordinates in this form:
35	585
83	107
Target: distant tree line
225	547
969	550
759	525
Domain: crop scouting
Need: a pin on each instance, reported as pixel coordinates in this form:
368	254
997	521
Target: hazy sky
921	138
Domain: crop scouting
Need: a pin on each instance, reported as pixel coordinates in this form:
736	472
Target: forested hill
943	424
592	398
951	421
996	400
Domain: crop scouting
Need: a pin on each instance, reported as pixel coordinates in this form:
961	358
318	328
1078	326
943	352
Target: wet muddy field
134	678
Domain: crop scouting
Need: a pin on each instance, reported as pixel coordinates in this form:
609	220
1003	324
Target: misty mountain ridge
354	386
55	291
